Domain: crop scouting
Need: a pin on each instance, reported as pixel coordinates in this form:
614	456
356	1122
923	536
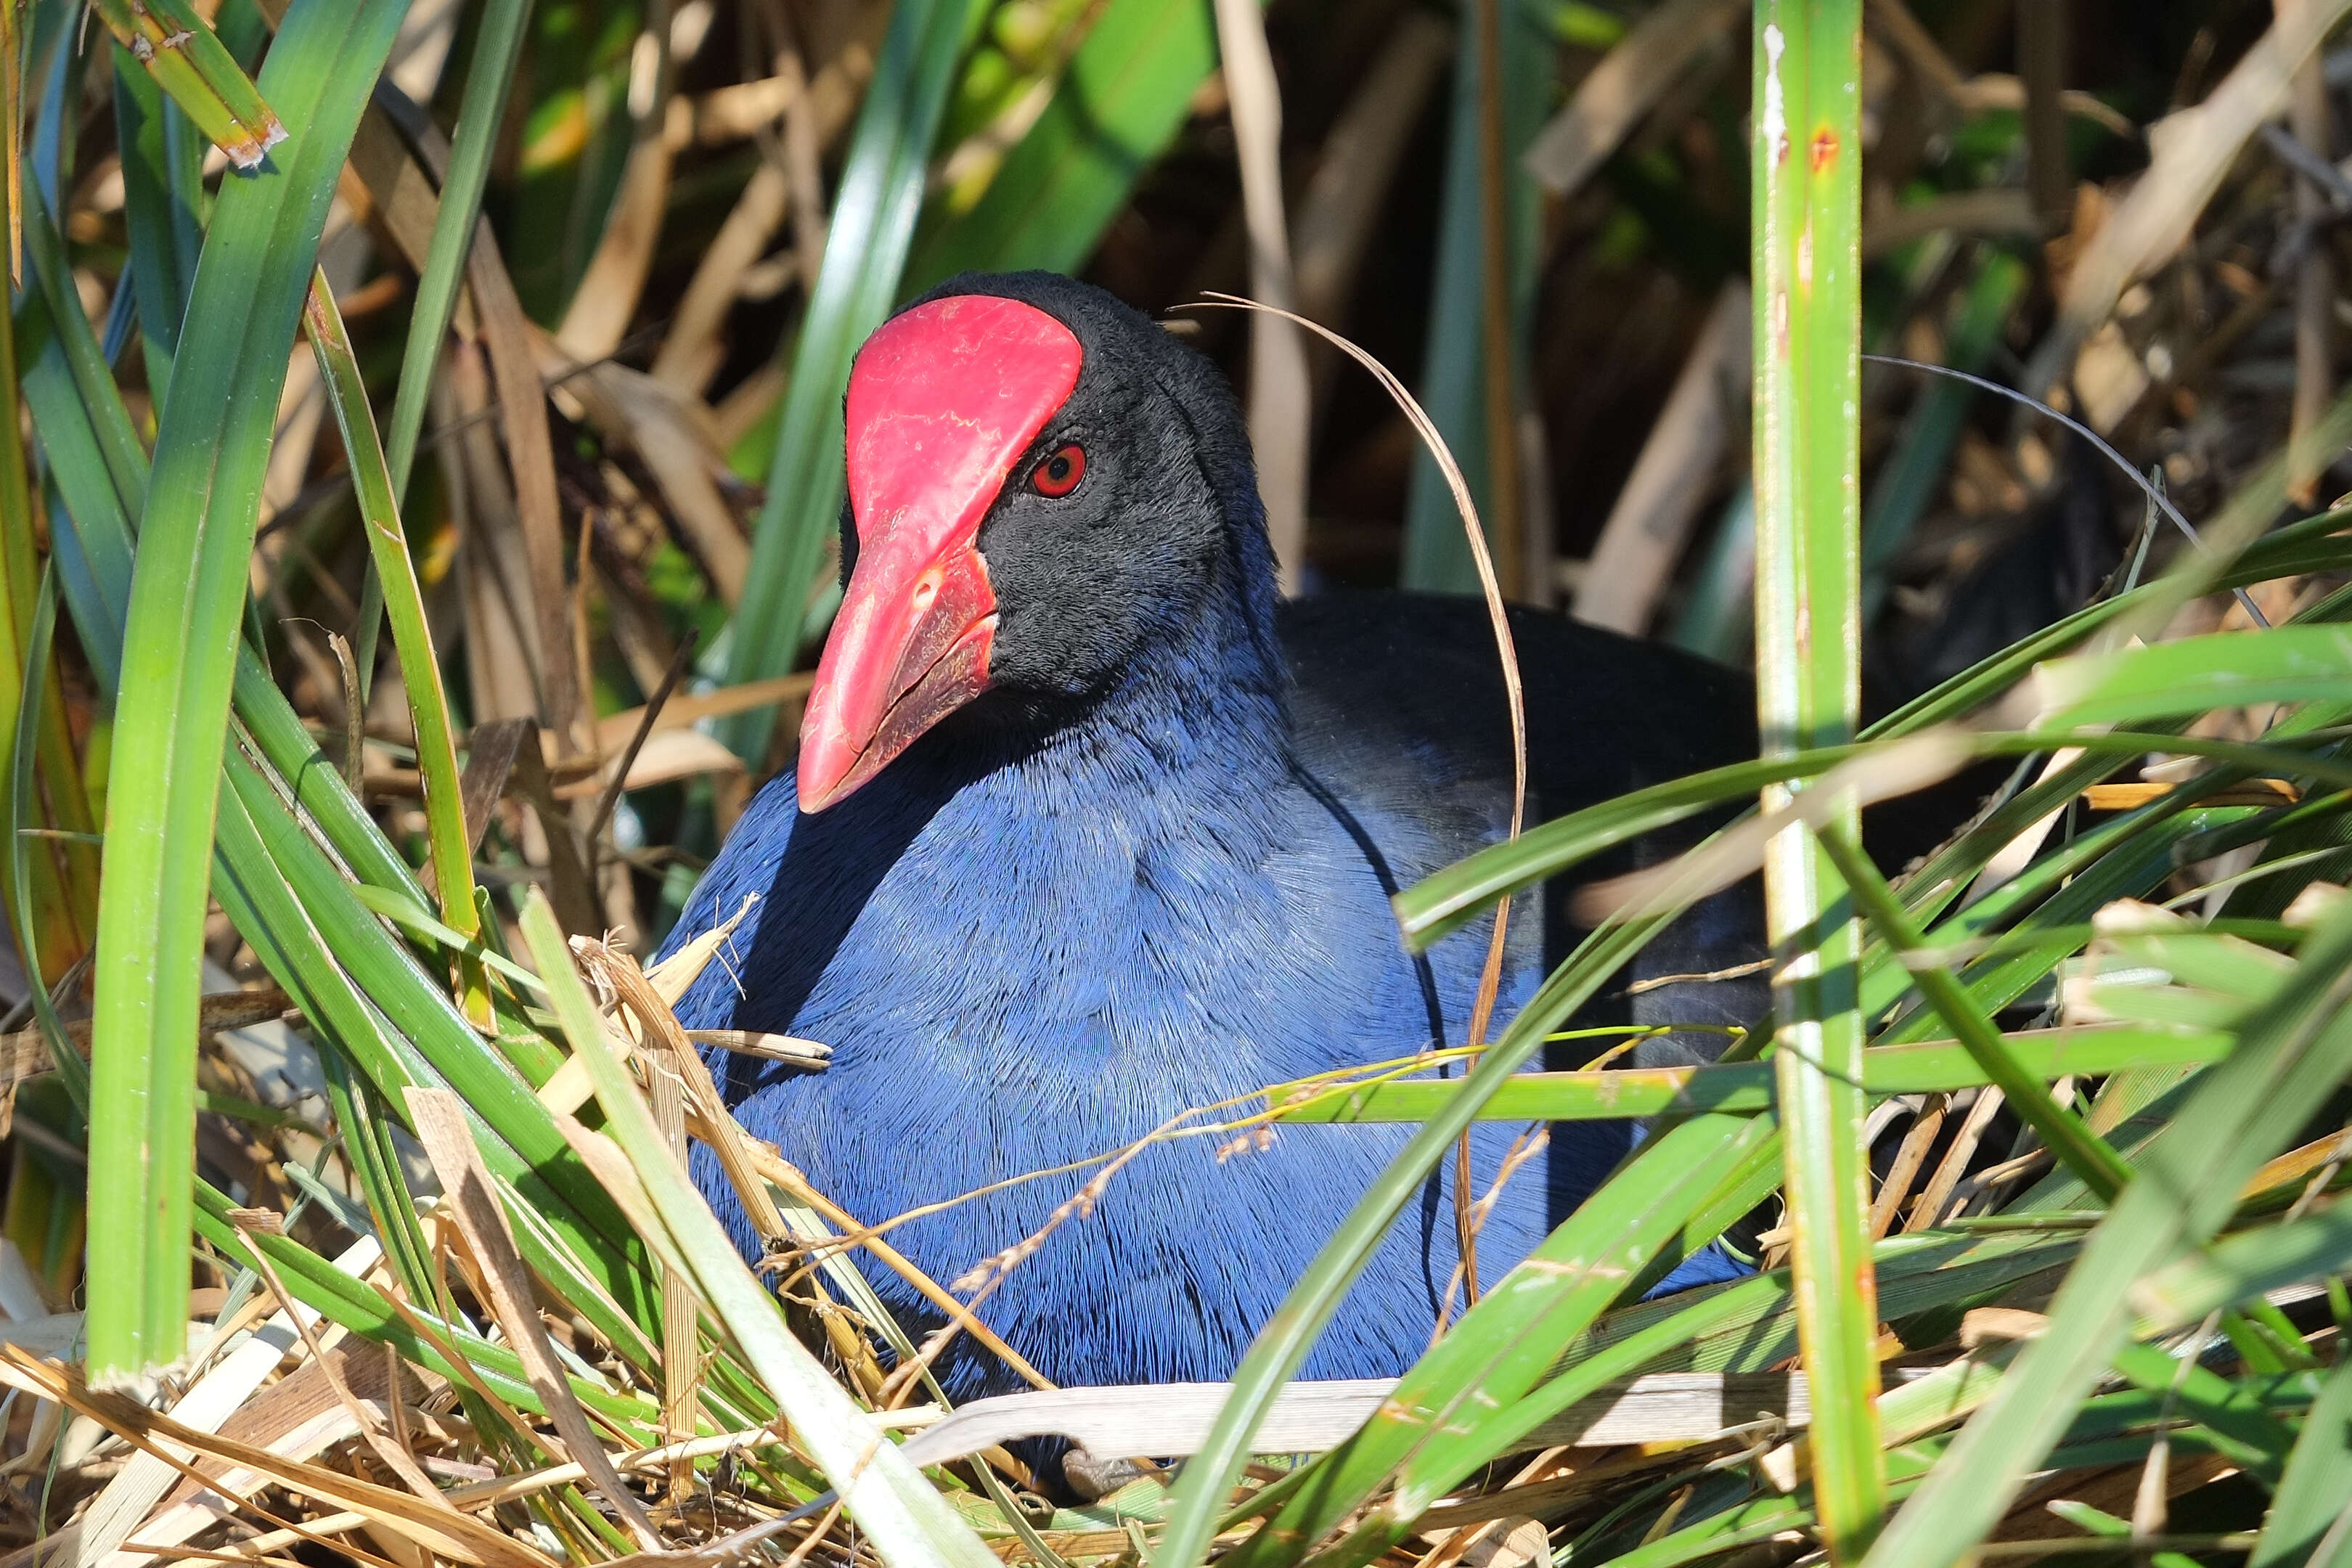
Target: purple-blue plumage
1148	870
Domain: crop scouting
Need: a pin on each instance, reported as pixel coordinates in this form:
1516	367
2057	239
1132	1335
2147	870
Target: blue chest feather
1024	959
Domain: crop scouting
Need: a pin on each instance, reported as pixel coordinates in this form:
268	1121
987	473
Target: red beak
942	400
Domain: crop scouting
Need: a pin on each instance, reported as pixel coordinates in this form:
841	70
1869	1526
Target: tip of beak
814	799
828	771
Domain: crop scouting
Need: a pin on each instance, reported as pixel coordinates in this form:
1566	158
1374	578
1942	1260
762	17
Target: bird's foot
1094	1478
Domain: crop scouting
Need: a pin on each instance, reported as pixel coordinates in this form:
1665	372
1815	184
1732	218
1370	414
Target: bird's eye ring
1059	474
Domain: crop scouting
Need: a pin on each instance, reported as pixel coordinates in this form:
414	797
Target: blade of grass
1438	1416
588	1267
865	251
91	537
2237	1424
1433	907
2084	1152
1807	206
2290	551
2246	1266
348	1302
2292	1050
399	153
187	608
94	551
1442	902
2132	870
368	1146
909	1519
1913	1408
1753	1324
276	865
180	51
2193	675
411	633
1747	1088
489	77
56	59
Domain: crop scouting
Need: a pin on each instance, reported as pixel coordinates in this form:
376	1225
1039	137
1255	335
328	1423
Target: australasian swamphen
1088	829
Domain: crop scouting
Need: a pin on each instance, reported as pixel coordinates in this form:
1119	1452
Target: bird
1088	829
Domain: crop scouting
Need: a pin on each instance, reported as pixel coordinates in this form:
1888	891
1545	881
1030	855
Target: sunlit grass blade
1441	903
2285	664
282	899
91	536
1805	183
93	542
1752	1325
187	614
178	50
411	634
2101	1169
340	816
1747	1088
279	869
2292	1050
1441	1415
2310	545
2233	1416
2134	868
866	248
909	1522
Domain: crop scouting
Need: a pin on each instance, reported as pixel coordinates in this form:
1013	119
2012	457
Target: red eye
1059	474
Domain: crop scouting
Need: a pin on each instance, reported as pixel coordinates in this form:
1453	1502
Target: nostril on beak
927	588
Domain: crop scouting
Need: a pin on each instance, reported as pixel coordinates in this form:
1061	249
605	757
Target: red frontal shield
942	400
